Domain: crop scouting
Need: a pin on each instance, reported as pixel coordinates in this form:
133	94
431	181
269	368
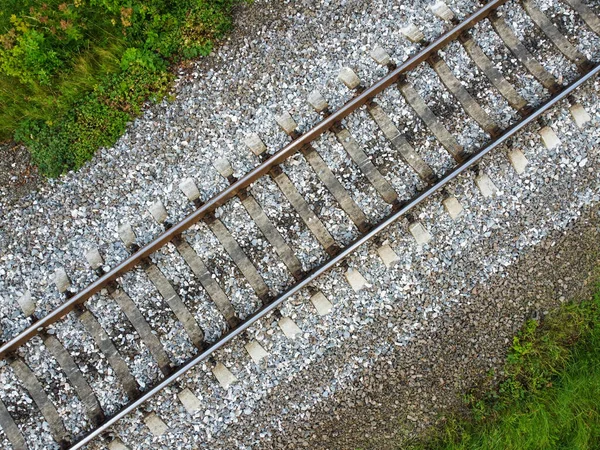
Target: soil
18	177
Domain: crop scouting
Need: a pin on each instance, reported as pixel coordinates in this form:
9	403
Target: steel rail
473	159
258	172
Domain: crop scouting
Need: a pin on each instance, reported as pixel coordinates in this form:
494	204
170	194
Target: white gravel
275	66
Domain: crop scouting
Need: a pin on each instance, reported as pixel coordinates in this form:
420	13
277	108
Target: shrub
73	73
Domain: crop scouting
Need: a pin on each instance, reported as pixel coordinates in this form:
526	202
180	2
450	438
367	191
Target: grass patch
73	73
550	396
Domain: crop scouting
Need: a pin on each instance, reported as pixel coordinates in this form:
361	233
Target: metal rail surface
510	132
260	171
301	143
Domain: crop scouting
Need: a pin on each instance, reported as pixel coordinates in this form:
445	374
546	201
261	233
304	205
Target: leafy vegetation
549	397
73	73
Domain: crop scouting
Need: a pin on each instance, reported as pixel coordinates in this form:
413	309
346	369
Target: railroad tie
192	259
391	132
549	137
94	329
448	78
416	102
144	330
579	114
517	160
300	205
314	159
155	424
109	350
83	389
321	304
515	100
557	38
211	286
587	14
190	402
223	375
485	185
26	304
441	10
289	328
117	444
356	280
467	101
256	351
407	152
39	396
388	255
232	248
522	54
133	314
452	207
412	33
343	136
11	430
162	284
181	311
419	232
239	257
262	221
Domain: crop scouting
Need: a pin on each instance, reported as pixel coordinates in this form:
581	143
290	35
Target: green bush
73	73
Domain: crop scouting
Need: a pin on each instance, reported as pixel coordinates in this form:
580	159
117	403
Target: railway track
19	351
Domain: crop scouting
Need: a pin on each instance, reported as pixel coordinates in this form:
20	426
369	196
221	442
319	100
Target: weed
549	396
74	72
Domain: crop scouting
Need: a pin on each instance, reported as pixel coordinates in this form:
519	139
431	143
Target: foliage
74	72
549	397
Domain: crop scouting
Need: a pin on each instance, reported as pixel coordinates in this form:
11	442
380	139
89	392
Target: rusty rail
418	199
258	172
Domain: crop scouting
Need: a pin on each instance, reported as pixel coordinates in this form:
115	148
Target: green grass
73	73
550	396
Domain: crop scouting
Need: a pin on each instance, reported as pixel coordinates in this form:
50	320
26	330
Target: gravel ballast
402	310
